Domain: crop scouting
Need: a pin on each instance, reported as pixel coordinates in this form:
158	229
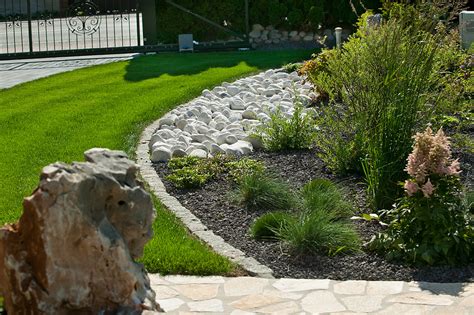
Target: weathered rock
74	247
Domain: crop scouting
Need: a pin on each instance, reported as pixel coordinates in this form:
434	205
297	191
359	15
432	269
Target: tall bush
379	85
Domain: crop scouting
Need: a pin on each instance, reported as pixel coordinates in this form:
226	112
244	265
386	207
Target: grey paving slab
244	295
14	72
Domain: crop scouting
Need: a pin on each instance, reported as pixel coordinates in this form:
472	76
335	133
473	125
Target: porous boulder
74	248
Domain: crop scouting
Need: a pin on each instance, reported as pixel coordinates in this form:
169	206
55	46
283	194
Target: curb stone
195	226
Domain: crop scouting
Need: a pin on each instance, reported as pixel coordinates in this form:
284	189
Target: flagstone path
249	295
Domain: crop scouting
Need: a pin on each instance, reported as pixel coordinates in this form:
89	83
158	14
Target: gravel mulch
212	205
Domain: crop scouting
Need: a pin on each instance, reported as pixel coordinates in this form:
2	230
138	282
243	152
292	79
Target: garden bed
212	205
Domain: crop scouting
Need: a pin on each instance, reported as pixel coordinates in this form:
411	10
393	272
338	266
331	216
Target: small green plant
282	133
432	223
187	161
292	67
193	172
188	177
261	192
244	167
267	226
320	232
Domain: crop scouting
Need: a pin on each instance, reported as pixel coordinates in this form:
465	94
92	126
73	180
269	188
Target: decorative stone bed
221	121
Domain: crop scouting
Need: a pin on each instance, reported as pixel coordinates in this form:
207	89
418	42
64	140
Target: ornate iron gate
65	27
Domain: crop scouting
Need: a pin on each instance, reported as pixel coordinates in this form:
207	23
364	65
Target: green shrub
268	225
261	192
188	177
324	196
245	167
432	223
282	133
193	172
187	161
320	232
380	85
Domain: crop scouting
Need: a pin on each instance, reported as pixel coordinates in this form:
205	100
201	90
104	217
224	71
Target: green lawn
58	118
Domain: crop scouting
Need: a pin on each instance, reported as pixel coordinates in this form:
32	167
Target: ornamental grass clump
432	224
318	223
261	192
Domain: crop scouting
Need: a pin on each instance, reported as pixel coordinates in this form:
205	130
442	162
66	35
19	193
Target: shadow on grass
174	64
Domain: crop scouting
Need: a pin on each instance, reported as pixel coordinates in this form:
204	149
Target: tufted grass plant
259	192
318	223
320	232
268	225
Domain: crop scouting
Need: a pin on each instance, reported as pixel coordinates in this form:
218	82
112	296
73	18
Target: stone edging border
195	226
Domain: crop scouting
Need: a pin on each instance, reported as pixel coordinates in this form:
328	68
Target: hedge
304	15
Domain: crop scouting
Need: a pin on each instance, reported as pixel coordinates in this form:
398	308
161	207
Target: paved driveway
13	72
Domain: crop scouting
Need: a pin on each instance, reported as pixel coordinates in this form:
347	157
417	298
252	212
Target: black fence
49	27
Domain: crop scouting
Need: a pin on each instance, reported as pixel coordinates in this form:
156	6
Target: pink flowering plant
432	223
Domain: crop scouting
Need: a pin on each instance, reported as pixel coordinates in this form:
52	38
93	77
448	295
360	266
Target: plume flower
427	189
431	155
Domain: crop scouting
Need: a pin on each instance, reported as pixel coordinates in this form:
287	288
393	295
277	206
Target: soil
212	205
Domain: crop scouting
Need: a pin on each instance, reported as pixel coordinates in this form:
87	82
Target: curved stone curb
190	220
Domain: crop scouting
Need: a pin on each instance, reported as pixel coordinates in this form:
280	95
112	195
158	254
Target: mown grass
58	118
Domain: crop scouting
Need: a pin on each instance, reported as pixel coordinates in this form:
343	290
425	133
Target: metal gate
66	27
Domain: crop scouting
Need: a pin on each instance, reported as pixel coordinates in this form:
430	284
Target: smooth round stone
221	138
181	123
190	128
198	153
255	141
215	149
167	121
178	153
220	125
161	154
202	129
205	118
206	93
184	139
243	146
160	144
230	150
154	139
231	139
165	134
237	104
200	138
248	114
233	90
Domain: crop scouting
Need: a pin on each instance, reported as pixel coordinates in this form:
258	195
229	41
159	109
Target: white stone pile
269	35
222	120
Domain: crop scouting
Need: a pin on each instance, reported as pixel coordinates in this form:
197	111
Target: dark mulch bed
213	207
